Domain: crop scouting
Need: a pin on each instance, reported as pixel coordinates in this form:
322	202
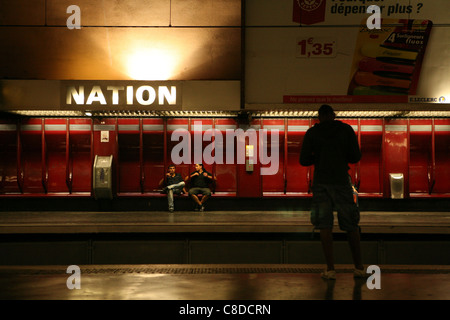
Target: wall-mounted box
102	178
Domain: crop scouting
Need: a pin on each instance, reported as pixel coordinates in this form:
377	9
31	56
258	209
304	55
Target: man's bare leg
204	198
326	237
196	200
355	247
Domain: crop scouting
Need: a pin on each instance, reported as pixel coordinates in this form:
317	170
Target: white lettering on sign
144	95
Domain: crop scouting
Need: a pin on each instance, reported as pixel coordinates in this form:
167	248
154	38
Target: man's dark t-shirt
330	146
174	180
200	181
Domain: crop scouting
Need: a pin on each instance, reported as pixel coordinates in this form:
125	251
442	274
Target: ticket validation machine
102	177
397	185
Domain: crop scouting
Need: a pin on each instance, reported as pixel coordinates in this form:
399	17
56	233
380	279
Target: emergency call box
102	177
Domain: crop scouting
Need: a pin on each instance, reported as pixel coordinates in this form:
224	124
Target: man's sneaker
170	209
202	208
358	273
329	275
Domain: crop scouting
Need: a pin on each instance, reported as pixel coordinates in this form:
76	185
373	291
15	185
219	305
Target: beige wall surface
162	13
117	53
121	40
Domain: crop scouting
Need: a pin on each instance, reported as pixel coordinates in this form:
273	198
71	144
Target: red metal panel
8	159
152	153
297	176
105	137
80	155
183	124
250	183
442	156
31	155
274	183
420	155
396	151
55	155
370	178
225	172
201	146
354	168
129	159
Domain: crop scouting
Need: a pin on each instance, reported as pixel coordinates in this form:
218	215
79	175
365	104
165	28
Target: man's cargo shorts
326	198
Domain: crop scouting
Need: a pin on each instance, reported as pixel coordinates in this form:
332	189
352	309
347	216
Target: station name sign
105	94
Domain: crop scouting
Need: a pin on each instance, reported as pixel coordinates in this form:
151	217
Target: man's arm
163	180
354	153
307	152
208	175
194	174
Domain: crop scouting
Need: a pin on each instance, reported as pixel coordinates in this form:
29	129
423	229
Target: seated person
200	180
173	183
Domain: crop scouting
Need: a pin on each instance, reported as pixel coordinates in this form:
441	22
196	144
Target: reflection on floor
221	282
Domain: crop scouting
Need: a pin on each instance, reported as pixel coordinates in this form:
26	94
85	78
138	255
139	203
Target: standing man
173	183
200	180
330	145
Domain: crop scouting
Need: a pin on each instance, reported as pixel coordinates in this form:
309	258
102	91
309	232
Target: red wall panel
80	157
52	155
8	159
370	178
420	155
173	124
154	163
298	178
395	152
355	169
55	155
442	156
225	172
274	183
129	155
31	161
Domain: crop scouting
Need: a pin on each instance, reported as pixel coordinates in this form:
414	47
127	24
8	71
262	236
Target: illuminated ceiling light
47	113
88	114
151	64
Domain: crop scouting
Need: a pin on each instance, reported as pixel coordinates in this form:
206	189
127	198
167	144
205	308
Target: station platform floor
221	283
285	221
217	282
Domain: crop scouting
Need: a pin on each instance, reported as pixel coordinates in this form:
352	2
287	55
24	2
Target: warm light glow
152	64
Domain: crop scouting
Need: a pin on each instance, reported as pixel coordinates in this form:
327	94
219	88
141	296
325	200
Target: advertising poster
355	51
387	61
